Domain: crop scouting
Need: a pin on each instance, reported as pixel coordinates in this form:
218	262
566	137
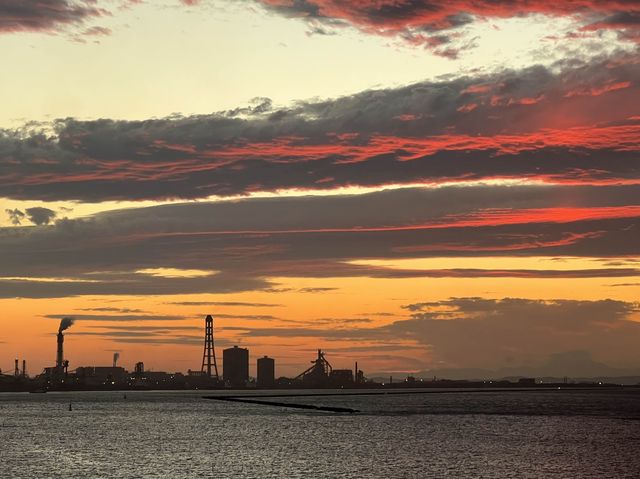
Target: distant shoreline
382	391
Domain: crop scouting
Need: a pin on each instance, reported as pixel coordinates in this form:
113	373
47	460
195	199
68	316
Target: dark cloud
246	317
247	243
113	310
117	317
562	335
157	336
322	322
178	340
316	290
114	334
225	303
378	346
431	23
97	31
312	290
15	216
88	284
314	270
40	216
627	23
152	334
569	124
45	15
350	333
340	321
490	331
153	317
36	215
154	328
257	106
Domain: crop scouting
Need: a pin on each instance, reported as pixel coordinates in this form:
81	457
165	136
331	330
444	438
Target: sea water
465	434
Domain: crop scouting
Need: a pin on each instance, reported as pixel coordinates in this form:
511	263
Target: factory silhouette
235	372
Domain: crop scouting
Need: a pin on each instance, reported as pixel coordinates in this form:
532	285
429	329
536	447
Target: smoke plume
65	323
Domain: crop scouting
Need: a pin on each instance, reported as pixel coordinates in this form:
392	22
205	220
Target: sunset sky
420	186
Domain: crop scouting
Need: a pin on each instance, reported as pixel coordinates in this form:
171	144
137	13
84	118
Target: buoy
70	408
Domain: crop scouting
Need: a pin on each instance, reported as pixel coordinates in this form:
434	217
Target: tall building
266	372
235	366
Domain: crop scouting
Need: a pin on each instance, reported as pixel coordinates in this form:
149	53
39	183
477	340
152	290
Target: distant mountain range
576	366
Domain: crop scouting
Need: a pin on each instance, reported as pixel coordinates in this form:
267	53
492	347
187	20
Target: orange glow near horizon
342	301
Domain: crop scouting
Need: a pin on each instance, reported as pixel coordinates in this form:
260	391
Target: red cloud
618	138
37	15
379	15
495	217
598	90
407	135
481	218
482	88
468	107
425	21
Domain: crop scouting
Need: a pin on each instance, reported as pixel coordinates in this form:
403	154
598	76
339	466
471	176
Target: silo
266	372
235	366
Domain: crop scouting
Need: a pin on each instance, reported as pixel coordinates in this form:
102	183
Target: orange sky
355	303
424	187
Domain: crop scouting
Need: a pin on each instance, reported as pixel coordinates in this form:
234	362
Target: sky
425	187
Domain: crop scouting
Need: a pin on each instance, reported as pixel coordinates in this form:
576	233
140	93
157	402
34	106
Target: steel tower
209	354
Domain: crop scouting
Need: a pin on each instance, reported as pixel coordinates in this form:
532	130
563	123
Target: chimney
355	377
60	354
16	371
24	368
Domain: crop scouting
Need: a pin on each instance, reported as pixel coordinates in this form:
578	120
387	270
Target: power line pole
209	354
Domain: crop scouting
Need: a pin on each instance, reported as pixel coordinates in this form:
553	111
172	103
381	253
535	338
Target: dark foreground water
568	434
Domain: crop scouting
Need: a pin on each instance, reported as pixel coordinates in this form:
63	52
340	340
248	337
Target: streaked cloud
243	304
422	133
117	317
251	241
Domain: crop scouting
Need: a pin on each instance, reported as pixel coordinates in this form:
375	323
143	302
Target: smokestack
116	356
59	352
16	371
65	323
24	368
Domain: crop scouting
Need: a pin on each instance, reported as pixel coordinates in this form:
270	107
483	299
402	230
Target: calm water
179	435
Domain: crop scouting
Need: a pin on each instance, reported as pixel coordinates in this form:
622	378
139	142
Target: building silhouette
266	372
316	375
341	377
235	366
101	375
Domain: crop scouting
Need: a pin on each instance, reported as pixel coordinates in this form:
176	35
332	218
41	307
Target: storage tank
266	372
